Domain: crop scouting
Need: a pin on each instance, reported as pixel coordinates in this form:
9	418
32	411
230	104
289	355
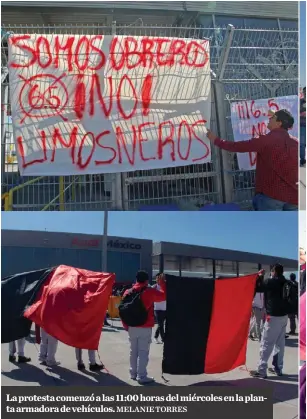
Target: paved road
114	352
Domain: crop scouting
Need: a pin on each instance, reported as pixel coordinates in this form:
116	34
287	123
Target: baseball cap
283	116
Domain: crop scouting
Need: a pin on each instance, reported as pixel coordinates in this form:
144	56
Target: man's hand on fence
211	136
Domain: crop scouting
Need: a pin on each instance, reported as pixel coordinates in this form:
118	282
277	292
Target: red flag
72	304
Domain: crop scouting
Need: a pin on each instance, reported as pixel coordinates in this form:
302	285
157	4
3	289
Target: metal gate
245	64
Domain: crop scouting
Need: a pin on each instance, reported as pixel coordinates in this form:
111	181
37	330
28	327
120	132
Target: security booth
208	262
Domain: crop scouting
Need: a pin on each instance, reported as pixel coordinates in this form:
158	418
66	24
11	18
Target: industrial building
189	260
24	251
215	14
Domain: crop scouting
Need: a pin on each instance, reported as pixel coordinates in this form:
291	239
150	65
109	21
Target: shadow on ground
59	376
292	343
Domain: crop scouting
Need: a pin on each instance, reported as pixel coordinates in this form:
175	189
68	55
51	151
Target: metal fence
245	64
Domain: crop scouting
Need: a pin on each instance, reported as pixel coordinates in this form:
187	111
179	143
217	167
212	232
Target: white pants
273	341
140	340
20	347
255	324
91	356
48	347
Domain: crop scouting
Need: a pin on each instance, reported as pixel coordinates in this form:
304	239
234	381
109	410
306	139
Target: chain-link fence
246	64
261	64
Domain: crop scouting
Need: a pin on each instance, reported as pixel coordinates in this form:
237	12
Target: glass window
124	265
171	264
261	23
206	21
156	263
130	265
246	268
46	257
223	21
114	264
18	259
288	24
225	268
197	267
89	259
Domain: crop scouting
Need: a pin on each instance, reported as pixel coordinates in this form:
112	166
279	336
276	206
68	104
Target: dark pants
160	316
292	323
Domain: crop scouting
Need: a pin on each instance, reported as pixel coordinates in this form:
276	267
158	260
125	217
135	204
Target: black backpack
290	297
132	310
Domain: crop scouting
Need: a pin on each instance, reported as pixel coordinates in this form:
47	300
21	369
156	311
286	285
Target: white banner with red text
249	119
103	104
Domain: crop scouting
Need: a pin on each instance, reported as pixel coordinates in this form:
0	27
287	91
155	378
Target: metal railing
245	64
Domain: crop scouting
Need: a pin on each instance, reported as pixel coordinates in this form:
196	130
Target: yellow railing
5	198
8	196
61	195
8	199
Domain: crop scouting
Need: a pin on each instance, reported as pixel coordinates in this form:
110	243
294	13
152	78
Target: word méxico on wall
96	104
116	244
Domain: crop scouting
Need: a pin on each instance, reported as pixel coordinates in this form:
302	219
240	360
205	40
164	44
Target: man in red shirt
277	163
140	336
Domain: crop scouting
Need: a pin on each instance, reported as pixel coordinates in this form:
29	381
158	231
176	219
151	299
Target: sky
303	43
269	233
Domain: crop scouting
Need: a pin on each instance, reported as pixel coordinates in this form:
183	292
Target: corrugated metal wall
146	13
283	9
90	16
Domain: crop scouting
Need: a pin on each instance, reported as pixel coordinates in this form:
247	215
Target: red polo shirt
149	297
277	163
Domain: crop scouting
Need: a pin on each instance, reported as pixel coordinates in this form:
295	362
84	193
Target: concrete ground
303	188
114	353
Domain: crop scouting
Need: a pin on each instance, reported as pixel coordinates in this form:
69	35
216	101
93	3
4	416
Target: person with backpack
279	302
136	311
292	316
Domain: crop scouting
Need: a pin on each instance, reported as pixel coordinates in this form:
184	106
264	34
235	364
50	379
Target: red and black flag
69	303
207	324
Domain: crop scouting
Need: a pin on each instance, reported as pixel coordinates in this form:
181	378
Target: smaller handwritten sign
249	119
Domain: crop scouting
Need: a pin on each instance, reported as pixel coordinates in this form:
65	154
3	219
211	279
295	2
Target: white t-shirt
162	305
